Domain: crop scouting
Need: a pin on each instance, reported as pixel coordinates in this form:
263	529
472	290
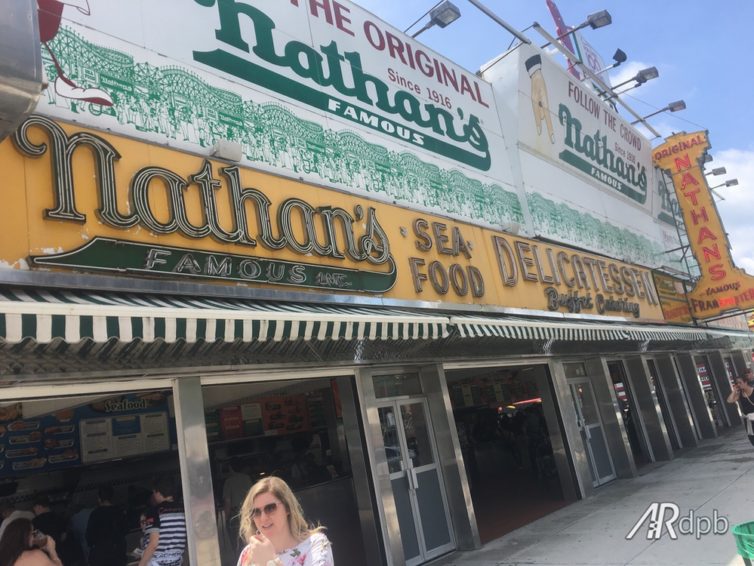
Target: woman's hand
734	394
50	546
262	550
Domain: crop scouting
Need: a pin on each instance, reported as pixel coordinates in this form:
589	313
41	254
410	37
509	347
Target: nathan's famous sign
98	203
267	58
606	196
722	286
320	90
566	121
201	206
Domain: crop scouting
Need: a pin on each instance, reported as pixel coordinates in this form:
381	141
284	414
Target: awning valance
47	315
73	316
570	330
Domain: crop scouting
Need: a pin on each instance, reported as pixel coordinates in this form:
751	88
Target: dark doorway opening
630	413
667	416
505	424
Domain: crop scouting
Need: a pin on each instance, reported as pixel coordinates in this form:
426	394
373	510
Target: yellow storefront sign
672	294
722	286
82	201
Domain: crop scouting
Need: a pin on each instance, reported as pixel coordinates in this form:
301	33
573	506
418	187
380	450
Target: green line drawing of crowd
177	104
561	222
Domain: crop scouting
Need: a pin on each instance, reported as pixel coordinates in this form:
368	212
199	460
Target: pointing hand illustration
50	20
539	102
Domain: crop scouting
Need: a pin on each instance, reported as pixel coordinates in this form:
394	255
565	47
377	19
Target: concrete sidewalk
717	475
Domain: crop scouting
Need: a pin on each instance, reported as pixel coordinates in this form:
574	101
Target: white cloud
737	210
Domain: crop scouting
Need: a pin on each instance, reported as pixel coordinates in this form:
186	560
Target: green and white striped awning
45	315
568	330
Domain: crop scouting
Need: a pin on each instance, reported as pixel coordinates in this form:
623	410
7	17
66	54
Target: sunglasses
268	509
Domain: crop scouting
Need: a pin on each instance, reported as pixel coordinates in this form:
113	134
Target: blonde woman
276	533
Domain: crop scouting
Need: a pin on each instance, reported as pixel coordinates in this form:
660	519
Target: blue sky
697	47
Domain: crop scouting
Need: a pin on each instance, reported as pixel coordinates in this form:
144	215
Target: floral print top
313	551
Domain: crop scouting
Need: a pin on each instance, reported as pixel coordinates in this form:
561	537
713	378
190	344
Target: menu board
283	415
251	415
108	438
116	427
231	423
490	392
46	443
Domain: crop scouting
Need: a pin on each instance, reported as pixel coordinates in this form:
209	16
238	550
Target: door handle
413	479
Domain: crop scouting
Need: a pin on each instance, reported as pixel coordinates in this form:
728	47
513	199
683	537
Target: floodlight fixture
728	183
599	19
442	15
619	57
227	149
647	74
641	77
672	107
595	21
717	171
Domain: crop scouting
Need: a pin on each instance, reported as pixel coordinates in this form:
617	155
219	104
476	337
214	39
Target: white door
416	480
592	433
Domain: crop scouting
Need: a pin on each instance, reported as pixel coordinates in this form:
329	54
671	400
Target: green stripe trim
86	326
159	327
28	326
58	326
137	327
113	327
180	328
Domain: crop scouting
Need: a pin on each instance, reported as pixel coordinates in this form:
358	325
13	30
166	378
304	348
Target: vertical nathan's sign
722	286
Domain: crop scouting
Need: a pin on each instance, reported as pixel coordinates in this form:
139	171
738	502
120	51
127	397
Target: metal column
571	429
380	473
550	406
676	401
695	393
196	473
435	386
359	469
649	408
741	361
